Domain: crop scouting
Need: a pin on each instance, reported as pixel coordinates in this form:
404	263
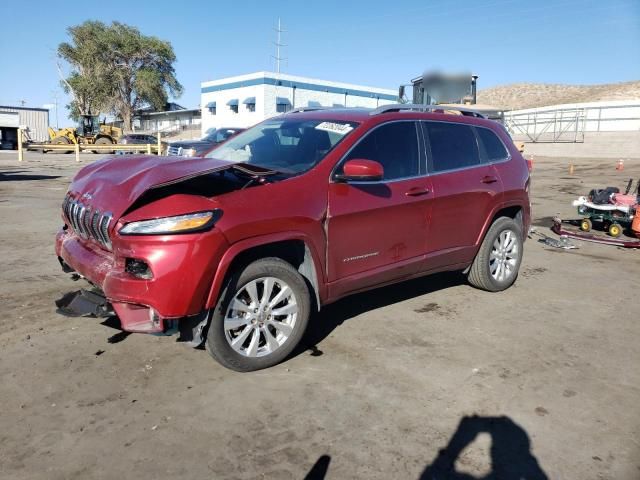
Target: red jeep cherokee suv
236	249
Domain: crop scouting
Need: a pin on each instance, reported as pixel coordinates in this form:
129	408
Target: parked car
138	139
197	148
237	249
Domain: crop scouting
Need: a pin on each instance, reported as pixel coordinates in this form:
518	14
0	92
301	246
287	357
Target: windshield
289	146
218	135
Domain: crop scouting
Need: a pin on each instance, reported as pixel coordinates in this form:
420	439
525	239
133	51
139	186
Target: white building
245	100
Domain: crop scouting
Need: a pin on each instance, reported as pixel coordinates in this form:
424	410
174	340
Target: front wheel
586	225
261	316
496	265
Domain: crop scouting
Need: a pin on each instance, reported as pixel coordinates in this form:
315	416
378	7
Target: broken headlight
192	222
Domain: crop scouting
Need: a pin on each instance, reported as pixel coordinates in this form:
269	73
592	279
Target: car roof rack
310	109
401	107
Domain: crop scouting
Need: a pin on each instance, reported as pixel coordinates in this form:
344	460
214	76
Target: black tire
217	344
480	272
103	141
61	141
586	225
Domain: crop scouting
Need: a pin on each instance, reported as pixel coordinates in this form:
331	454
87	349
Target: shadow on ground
511	456
18	176
335	314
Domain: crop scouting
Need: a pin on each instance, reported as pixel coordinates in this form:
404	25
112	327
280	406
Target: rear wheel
496	265
260	317
61	141
585	225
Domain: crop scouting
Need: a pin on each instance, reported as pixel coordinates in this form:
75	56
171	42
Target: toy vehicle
608	207
236	249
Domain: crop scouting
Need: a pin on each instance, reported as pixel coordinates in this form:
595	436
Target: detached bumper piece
133	318
140	318
83	303
560	228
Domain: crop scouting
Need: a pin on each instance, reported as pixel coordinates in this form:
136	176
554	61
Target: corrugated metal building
34	120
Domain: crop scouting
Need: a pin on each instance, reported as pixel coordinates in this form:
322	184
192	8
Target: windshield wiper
261	176
261	172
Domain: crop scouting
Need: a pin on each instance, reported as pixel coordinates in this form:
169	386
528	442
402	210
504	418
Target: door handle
417	191
489	179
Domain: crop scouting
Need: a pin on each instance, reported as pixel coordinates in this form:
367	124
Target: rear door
377	231
465	190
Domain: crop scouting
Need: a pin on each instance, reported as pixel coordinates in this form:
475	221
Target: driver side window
395	146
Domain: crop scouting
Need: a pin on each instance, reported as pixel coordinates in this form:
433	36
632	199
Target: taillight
530	164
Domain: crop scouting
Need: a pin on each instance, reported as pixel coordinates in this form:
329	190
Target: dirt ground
540	380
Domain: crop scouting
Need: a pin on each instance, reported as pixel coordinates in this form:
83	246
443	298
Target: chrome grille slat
81	227
174	151
72	215
95	218
101	234
104	228
88	223
67	208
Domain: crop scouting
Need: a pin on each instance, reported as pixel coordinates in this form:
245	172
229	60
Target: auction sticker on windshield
339	128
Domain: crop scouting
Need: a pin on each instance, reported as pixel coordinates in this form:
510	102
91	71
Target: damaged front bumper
180	272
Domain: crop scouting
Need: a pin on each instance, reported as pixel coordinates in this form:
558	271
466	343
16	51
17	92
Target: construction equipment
88	132
450	90
434	88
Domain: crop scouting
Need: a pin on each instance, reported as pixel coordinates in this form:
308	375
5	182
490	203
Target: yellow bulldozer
88	132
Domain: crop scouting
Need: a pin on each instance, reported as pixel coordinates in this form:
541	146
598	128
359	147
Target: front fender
319	283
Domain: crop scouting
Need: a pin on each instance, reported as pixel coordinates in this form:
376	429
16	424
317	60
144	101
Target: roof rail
399	107
309	109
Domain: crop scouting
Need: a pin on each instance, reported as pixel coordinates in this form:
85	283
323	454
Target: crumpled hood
114	183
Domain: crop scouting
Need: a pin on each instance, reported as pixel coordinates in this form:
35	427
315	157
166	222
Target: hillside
528	95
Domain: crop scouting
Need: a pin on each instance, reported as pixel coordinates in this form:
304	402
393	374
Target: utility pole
278	43
55	102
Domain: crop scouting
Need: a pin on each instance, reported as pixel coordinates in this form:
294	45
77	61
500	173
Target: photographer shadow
511	456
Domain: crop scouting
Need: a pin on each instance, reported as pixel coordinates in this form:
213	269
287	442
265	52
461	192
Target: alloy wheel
261	316
504	256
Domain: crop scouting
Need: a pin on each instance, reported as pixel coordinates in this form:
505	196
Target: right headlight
192	222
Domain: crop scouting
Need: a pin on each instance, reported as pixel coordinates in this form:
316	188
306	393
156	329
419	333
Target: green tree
88	82
116	68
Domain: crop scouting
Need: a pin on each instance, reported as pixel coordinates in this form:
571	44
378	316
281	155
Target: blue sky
370	42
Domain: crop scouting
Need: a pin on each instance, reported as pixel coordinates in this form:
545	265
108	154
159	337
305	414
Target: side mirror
361	170
401	92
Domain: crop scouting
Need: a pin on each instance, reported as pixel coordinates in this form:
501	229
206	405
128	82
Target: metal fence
568	124
76	148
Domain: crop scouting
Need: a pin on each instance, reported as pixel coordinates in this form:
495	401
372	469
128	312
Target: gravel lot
545	376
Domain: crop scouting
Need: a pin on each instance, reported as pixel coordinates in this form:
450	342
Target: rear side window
395	146
453	146
493	147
